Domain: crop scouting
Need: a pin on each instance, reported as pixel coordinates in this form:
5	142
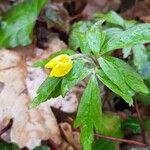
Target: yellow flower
60	65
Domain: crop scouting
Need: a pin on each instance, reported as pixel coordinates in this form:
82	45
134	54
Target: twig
8	126
121	140
53	145
140	120
117	139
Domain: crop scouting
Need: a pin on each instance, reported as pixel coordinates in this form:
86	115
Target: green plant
91	45
97	39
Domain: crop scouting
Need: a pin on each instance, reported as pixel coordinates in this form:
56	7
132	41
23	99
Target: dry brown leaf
18	85
29	126
72	137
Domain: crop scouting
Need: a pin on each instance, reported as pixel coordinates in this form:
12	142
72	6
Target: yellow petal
61	69
61	58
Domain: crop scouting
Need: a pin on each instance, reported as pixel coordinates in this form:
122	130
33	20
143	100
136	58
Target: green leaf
130	23
45	90
79	27
112	32
138	34
115	74
90	38
106	81
43	147
8	146
43	62
102	144
133	124
89	113
121	74
140	55
79	71
16	27
111	17
111	126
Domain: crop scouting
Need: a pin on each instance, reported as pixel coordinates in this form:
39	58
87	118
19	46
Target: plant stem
53	144
117	139
121	140
8	126
140	120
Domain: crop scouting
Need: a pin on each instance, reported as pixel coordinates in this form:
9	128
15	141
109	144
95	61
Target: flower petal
61	69
61	58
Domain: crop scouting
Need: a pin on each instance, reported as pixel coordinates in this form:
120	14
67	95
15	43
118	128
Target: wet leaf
89	113
133	124
16	27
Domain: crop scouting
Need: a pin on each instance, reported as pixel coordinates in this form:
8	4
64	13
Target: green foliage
102	144
45	90
16	26
106	81
111	125
137	34
79	72
7	146
77	28
133	124
111	17
122	75
42	148
95	39
89	113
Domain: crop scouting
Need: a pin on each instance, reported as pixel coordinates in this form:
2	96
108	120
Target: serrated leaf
122	75
111	17
112	32
106	81
43	62
139	55
79	27
138	34
8	146
132	123
89	39
111	126
115	74
45	90
89	113
16	27
43	147
102	144
92	40
79	71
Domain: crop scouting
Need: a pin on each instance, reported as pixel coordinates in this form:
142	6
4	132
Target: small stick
140	120
121	140
117	139
8	126
53	144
